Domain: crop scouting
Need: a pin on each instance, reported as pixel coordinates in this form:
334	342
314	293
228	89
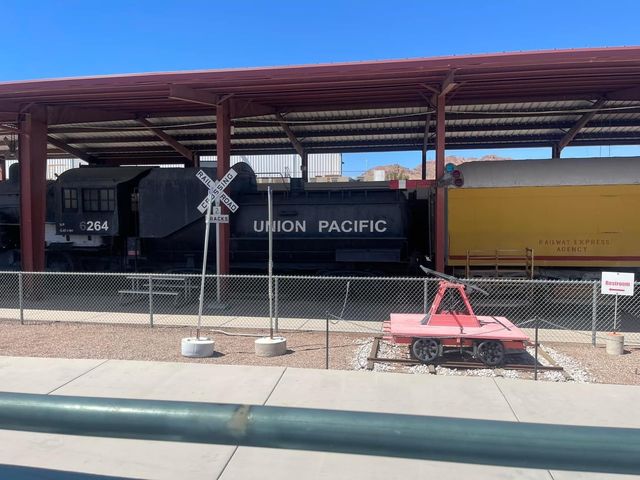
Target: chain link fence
566	311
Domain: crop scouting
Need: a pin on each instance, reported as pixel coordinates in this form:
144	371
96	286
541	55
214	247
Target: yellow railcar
566	225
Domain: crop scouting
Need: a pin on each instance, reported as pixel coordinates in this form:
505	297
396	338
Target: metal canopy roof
525	99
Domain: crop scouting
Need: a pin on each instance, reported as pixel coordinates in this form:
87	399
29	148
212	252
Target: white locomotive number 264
94	226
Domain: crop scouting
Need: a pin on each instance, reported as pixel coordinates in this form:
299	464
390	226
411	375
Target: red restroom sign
617	283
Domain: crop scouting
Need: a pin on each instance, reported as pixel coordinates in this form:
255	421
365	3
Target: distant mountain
398	172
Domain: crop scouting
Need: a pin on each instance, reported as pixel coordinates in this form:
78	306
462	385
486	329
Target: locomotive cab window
98	199
70	199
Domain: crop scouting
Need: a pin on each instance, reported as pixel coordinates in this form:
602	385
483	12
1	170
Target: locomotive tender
144	218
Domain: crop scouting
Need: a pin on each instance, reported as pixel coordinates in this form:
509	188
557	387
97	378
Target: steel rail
488	442
468	365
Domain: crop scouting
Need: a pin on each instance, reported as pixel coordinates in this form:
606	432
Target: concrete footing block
615	344
271	347
197	347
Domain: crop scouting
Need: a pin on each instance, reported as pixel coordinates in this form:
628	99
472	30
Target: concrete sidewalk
466	397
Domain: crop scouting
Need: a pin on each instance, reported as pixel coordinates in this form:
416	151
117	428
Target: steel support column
425	144
223	157
440	233
305	166
33	168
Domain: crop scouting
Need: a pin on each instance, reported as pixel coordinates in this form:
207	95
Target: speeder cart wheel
491	353
425	349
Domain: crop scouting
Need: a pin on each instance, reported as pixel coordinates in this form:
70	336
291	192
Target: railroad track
465	365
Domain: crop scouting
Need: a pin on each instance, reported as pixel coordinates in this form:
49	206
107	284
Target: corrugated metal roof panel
116	144
477	124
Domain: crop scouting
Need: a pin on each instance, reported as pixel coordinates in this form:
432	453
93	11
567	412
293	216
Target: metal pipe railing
527	445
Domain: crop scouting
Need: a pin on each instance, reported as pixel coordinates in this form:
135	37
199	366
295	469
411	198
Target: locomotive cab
96	201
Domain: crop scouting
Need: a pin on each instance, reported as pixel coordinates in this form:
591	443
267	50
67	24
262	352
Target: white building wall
277	166
55	166
320	164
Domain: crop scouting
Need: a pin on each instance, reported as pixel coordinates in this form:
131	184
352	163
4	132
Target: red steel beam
448	83
290	135
223	157
187	94
440	234
297	146
584	119
169	140
632	93
239	108
70	150
57	115
33	166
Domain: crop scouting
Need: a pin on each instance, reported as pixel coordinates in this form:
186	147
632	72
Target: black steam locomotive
145	219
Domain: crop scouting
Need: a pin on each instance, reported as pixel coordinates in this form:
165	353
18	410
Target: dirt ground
130	342
306	349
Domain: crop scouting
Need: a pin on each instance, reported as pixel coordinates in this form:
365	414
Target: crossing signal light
452	176
458	181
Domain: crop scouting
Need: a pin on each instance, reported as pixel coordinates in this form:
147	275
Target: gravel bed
582	363
571	366
602	367
359	357
531	354
129	342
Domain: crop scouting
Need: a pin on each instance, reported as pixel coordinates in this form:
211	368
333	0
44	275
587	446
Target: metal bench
145	285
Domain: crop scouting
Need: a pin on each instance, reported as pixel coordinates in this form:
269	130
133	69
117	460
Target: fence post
150	301
425	295
20	298
327	346
275	302
535	366
594	312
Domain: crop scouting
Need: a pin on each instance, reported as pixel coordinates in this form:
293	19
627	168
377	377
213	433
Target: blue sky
58	38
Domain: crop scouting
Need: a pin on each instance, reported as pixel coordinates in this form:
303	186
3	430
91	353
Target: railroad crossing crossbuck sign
214	215
216	193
